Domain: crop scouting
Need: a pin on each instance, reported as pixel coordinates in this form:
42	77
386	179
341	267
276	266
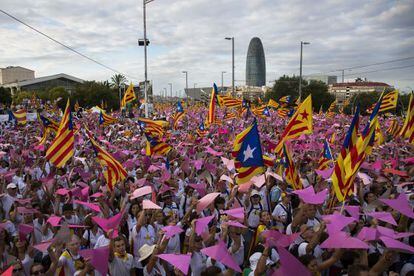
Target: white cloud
189	35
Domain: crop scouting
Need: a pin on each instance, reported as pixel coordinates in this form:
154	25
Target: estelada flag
301	123
247	152
129	95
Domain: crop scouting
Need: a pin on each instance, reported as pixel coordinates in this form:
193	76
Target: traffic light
141	42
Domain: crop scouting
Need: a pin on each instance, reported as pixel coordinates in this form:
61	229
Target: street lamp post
222	85
232	63
186	83
300	70
145	2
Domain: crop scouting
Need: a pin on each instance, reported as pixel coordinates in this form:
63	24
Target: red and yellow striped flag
62	147
229	102
211	118
301	123
273	103
291	174
129	95
113	172
389	101
394	128
20	116
407	130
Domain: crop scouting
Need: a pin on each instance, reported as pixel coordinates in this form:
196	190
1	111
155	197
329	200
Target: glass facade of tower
255	64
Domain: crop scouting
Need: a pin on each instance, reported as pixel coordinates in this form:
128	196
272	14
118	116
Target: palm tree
118	80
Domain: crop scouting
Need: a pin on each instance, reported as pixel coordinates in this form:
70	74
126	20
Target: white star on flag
248	153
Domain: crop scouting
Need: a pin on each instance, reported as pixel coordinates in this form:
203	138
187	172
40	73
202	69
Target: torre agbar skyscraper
255	64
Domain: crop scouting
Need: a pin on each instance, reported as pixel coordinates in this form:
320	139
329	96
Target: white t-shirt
121	267
280	211
317	251
146	235
198	263
91	237
102	241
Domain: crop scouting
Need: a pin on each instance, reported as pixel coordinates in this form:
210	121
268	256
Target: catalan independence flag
273	103
48	126
340	182
155	146
211	118
407	130
331	109
285	100
291	174
113	171
301	123
129	95
247	153
260	111
394	128
201	130
326	158
20	116
178	115
153	128
62	147
105	119
229	102
389	101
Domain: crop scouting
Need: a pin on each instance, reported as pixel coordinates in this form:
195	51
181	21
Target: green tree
365	101
92	93
320	95
284	86
59	92
21	95
118	80
5	96
287	85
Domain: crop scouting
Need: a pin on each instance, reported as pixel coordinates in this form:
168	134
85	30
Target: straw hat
145	251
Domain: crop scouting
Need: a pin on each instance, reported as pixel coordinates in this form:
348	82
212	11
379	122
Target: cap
254	193
11	186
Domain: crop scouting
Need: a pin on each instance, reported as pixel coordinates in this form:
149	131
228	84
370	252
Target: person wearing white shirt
8	199
282	213
142	233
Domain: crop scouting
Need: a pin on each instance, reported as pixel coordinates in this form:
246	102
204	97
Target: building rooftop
360	83
11	67
46	78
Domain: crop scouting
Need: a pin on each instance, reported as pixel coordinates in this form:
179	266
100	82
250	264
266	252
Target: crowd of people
184	214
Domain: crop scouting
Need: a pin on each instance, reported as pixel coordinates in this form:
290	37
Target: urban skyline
367	35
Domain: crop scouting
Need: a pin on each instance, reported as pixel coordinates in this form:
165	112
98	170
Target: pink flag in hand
275	176
141	182
396	245
383	216
206	200
336	222
342	240
62	191
8	272
220	253
366	179
43	246
141	191
213	152
368	234
200	188
92	206
172	230
400	204
237	213
308	195
24	210
384	231
180	261
54	220
275	238
353	211
325	174
201	224
289	265
153	168
198	164
235	224
259	180
24	230
108	224
148	204
228	163
98	258
244	188
96	195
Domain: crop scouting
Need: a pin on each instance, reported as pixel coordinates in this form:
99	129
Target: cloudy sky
189	35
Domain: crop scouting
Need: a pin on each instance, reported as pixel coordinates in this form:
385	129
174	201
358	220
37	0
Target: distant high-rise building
255	64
